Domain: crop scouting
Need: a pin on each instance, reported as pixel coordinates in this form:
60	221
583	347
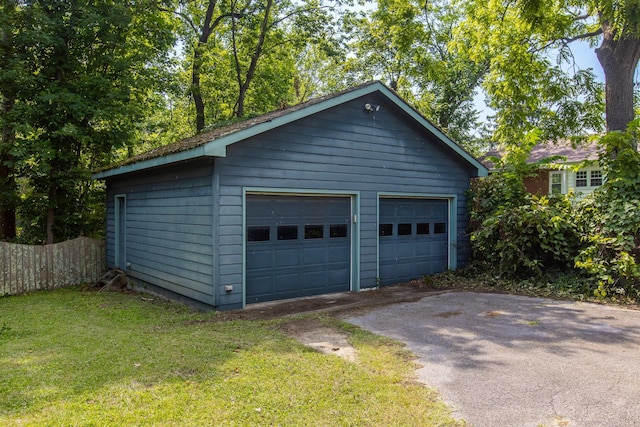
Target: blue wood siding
341	149
184	222
169	228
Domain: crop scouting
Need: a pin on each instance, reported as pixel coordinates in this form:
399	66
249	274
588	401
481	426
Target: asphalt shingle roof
217	133
587	151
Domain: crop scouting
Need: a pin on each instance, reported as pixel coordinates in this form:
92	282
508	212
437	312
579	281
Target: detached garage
341	193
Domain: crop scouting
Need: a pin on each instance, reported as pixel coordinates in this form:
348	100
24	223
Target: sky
585	56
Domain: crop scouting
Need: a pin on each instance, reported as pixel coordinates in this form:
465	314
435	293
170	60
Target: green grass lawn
79	358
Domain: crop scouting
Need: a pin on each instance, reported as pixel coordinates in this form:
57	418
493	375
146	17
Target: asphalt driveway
504	360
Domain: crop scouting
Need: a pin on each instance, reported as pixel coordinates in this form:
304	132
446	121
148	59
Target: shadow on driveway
505	360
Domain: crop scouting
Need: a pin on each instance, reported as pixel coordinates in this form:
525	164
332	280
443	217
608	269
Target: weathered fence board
25	268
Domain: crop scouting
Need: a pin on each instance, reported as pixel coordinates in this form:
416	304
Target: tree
203	19
406	44
528	90
93	66
276	27
233	44
9	66
617	25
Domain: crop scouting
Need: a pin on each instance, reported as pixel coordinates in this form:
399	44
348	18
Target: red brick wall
539	184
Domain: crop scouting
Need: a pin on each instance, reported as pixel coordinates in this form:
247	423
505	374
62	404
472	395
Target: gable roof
580	153
214	143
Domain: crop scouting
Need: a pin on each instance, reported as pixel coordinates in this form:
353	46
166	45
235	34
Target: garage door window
338	230
313	231
422	228
404	229
385	230
287	232
439	228
258	233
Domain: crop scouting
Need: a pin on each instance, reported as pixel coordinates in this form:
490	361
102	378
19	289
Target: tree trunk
242	95
196	91
243	87
8	188
51	218
51	213
205	32
619	58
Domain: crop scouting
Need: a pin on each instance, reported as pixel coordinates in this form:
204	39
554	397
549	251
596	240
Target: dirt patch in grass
313	333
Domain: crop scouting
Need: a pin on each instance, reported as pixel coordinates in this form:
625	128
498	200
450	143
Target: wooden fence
26	268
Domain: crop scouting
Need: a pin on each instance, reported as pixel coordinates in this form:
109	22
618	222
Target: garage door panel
406	270
423	248
286	282
386	270
404	249
314	256
286	258
314	279
339	255
308	249
387	251
413	239
266	286
259	259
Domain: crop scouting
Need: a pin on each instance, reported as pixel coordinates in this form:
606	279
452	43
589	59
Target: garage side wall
168	231
343	149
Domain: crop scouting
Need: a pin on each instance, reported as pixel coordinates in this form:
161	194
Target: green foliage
610	217
525	86
406	44
87	72
574	284
515	233
526	239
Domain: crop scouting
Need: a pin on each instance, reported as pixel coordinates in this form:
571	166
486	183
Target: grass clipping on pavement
73	357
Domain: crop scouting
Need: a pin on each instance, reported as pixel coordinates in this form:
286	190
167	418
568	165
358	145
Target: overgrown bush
609	219
514	233
525	239
517	235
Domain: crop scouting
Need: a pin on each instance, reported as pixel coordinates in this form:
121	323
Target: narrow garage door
297	246
413	238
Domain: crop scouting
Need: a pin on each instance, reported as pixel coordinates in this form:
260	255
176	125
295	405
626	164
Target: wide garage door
297	246
413	238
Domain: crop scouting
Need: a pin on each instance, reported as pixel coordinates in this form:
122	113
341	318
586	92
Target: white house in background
561	180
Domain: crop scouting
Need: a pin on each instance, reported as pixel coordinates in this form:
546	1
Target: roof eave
151	163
